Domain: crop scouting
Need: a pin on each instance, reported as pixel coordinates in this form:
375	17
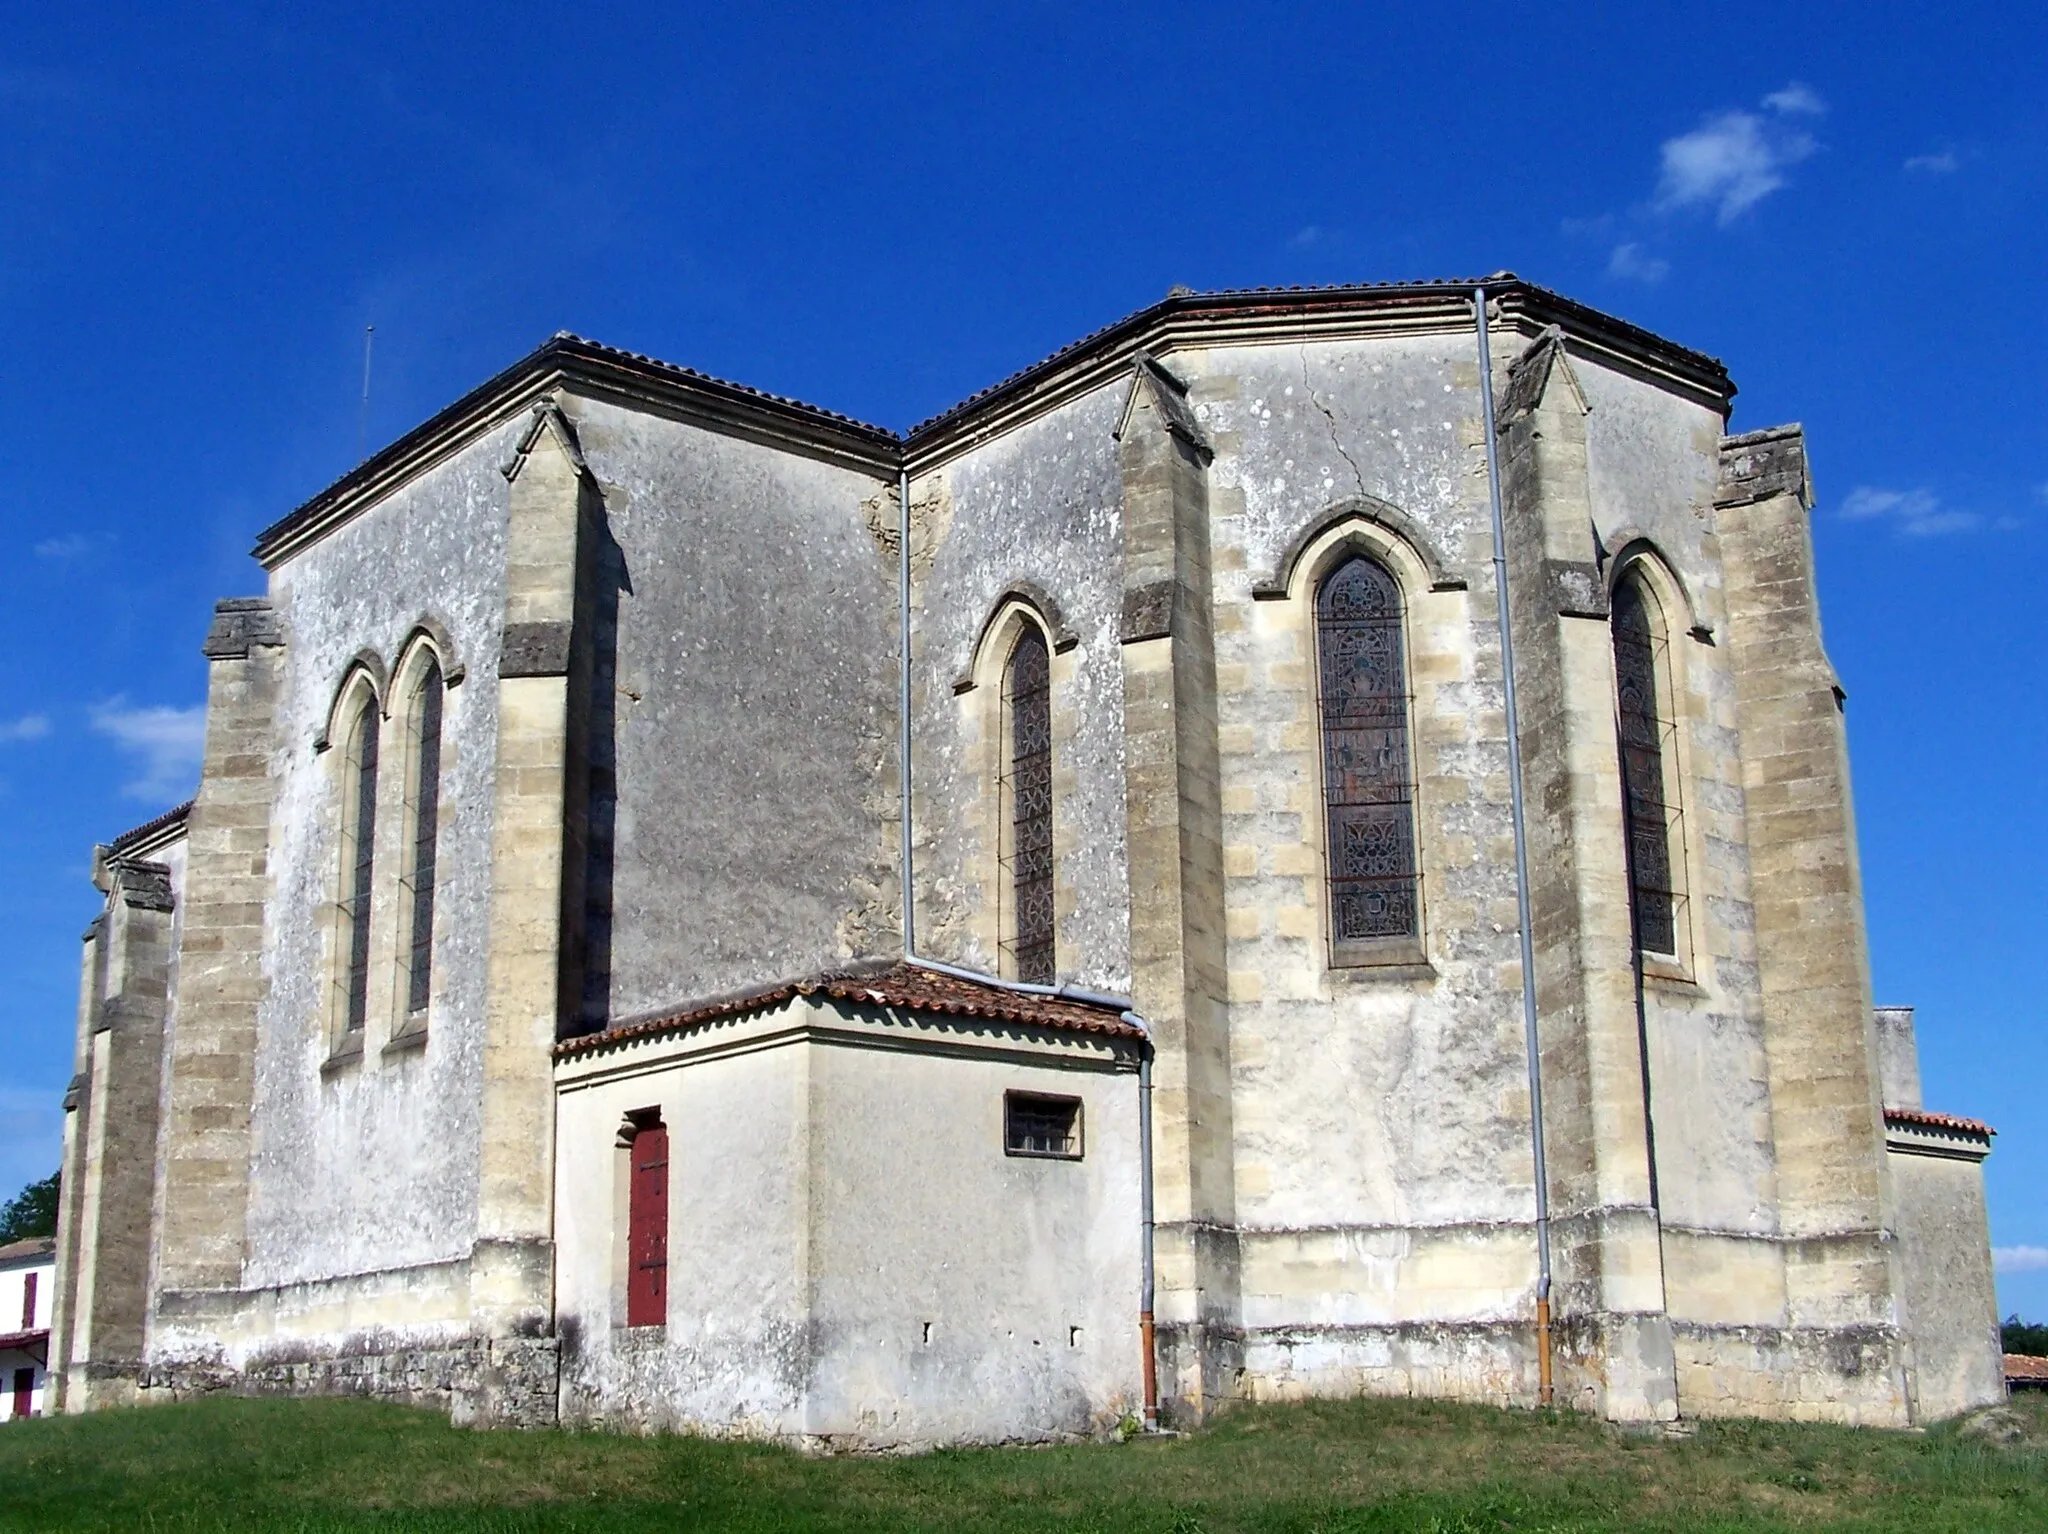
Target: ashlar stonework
605	1078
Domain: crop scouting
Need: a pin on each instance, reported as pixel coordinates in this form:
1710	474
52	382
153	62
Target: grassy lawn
1335	1467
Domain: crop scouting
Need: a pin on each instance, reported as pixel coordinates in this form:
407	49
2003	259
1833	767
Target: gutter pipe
1146	1335
1544	1387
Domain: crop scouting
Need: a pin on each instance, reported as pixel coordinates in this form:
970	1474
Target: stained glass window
425	815
1027	689
1646	809
358	847
1367	782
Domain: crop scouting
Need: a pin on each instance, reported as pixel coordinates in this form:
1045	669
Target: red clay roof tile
908	986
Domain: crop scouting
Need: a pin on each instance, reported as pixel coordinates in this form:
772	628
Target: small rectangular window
28	1303
1034	1125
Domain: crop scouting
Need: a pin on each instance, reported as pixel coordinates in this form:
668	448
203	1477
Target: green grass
1337	1467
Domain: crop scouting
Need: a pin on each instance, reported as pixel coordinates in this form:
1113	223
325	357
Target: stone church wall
1367	1174
1036	512
374	1166
744	826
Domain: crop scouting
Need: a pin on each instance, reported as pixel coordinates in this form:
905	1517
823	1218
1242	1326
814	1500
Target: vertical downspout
1147	1334
903	702
1544	1391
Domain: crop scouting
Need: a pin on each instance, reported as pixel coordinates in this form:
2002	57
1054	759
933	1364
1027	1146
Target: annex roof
167	827
1184	317
28	1251
1920	1118
888	984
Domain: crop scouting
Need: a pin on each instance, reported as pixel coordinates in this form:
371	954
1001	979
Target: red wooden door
24	1391
647	1229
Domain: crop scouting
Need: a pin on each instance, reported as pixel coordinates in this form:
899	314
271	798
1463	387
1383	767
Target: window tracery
358	858
1642	725
1374	881
1027	695
423	814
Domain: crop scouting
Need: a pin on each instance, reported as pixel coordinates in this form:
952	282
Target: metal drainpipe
903	701
1544	1390
1027	988
1147	1333
1069	992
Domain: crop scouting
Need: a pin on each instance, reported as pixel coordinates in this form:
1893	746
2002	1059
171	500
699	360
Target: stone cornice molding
568	366
1757	465
567	363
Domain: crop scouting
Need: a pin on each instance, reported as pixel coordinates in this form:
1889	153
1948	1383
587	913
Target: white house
28	1271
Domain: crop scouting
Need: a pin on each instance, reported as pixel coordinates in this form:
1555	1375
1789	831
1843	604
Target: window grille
1035	1125
425	813
359	841
647	1227
1027	692
1653	894
1367	784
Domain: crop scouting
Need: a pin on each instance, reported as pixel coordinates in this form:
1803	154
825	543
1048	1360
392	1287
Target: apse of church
534	1025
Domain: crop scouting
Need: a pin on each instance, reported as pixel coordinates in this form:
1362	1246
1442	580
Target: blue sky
884	210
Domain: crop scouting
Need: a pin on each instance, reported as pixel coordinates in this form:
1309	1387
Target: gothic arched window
358	849
1368	790
1027	706
422	830
1642	718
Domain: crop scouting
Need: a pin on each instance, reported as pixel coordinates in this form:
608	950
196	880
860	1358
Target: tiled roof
567	338
1919	1118
908	986
34	1246
149	828
21	1341
2022	1370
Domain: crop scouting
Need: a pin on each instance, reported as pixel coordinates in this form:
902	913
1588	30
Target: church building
1300	846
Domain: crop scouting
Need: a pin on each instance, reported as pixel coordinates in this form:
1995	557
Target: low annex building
527	1017
27	1269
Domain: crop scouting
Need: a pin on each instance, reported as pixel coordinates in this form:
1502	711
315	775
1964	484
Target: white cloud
1629	261
2020	1259
1913	513
1796	99
1943	164
1304	238
68	547
1732	161
27	727
167	742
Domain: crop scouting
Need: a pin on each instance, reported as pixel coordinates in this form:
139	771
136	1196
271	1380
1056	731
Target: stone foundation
478	1381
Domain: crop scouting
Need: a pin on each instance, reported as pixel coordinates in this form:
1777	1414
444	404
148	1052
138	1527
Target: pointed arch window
1027	784
1368	783
358	858
422	836
1642	716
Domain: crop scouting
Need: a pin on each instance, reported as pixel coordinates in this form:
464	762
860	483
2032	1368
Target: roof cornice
1254	316
591	370
1183	320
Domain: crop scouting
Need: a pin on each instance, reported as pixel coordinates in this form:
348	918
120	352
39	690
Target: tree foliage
31	1212
2028	1337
